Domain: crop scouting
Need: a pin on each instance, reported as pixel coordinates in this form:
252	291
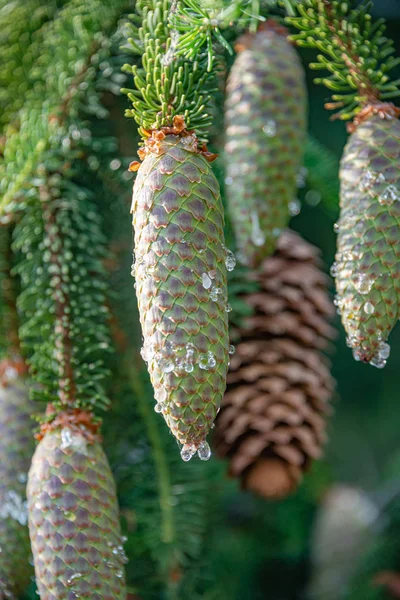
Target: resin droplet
215	293
231	349
207	283
378	362
384	351
389	195
188	450
369	308
294	207
363	284
207	361
204	451
369	179
230	260
334	269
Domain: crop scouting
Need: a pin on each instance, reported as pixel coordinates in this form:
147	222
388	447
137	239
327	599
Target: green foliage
322	175
21	37
63	85
353	49
176	43
63	299
166	84
7	312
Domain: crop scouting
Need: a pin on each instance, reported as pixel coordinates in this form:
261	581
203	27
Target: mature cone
342	532
16	449
273	417
368	257
180	271
73	520
265	136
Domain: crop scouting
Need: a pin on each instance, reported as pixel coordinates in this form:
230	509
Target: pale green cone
265	121
180	269
367	265
16	449
74	520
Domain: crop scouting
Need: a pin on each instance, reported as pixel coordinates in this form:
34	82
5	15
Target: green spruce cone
265	135
180	269
367	267
16	449
73	520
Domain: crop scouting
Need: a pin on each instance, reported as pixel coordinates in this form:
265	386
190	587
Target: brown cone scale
273	417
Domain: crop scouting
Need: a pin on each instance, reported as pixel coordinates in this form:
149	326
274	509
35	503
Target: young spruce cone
73	520
16	449
265	136
273	416
367	267
180	272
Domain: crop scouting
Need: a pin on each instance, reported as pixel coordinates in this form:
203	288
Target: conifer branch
175	40
63	85
21	37
9	340
353	49
63	299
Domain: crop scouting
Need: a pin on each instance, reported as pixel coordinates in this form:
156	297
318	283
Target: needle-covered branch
176	42
63	300
63	85
353	49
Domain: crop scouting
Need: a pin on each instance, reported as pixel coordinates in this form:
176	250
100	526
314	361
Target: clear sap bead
204	451
215	293
389	195
363	284
378	362
294	207
230	260
334	269
187	451
206	281
384	351
231	349
369	308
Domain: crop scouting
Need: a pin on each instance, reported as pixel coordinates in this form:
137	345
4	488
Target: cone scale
265	121
367	267
180	270
73	519
16	449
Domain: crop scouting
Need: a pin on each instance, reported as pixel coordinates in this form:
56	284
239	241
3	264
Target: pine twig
353	49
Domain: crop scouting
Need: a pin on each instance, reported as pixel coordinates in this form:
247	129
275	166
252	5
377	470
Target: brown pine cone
273	417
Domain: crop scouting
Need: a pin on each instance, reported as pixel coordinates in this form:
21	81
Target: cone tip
272	478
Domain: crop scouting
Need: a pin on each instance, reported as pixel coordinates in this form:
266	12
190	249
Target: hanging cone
16	449
367	267
180	270
273	417
265	136
73	519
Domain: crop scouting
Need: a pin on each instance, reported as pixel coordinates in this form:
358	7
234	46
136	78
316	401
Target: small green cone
265	122
16	449
367	267
181	286
73	520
